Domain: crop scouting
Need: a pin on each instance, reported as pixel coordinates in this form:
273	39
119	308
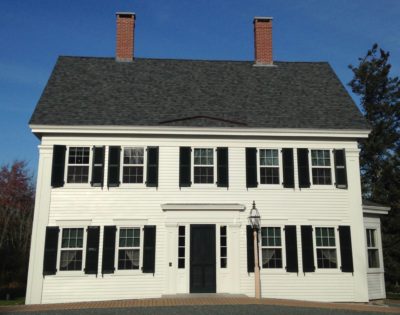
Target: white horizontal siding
326	206
376	285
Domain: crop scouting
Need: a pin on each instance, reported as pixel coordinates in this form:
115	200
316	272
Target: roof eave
220	131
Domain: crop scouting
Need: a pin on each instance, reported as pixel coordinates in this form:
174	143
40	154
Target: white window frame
213	184
121	173
336	247
376	247
185	247
117	248
220	257
282	247
72	272
89	165
279	185
331	167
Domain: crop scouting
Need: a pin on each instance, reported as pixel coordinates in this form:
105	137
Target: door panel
202	259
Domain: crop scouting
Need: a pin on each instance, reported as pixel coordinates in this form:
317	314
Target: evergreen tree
379	95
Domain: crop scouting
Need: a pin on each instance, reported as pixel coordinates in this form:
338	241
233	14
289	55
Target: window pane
71	260
223	262
272	258
78	155
320	158
128	259
373	258
326	258
72	238
321	176
181	263
371	238
133	155
132	174
78	174
203	156
269	175
129	237
269	157
204	175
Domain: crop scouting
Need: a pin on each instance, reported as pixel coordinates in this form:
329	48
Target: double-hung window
203	166
271	247
78	165
326	247
321	167
71	253
133	165
128	248
269	166
373	251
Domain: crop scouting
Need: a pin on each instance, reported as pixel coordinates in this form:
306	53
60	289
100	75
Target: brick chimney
263	40
125	36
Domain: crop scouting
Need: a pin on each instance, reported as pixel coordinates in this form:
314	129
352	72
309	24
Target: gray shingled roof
165	92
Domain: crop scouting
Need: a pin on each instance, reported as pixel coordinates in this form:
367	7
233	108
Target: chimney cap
262	18
126	13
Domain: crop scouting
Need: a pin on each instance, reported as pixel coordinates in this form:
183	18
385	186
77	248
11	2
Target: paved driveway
205	310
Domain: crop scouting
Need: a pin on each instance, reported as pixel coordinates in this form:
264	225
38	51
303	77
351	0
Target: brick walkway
198	300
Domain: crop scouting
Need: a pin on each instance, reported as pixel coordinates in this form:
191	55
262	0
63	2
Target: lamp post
254	219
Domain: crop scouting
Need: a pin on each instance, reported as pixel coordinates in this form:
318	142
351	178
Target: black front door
202	259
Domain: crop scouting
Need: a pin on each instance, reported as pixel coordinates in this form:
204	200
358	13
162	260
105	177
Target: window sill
127	273
73	274
375	270
273	187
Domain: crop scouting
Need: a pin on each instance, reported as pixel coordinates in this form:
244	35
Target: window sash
128	255
326	248
321	167
78	172
71	249
204	173
269	173
133	173
271	247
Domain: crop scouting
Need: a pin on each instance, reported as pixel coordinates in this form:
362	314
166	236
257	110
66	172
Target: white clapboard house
148	169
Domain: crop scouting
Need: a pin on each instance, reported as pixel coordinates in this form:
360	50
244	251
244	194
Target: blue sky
34	32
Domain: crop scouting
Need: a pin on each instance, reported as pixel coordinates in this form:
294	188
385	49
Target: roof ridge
189	59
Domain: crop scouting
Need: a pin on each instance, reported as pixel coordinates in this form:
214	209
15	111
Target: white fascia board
203	207
205	131
375	210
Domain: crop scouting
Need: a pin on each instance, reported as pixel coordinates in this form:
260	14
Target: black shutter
108	249
222	167
303	168
152	167
345	249
185	167
291	248
50	250
113	166
250	248
251	167
98	167
340	168
149	249
288	168
92	249
58	166
307	248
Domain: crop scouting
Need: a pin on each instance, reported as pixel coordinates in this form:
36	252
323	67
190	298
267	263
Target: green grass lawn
19	301
393	296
